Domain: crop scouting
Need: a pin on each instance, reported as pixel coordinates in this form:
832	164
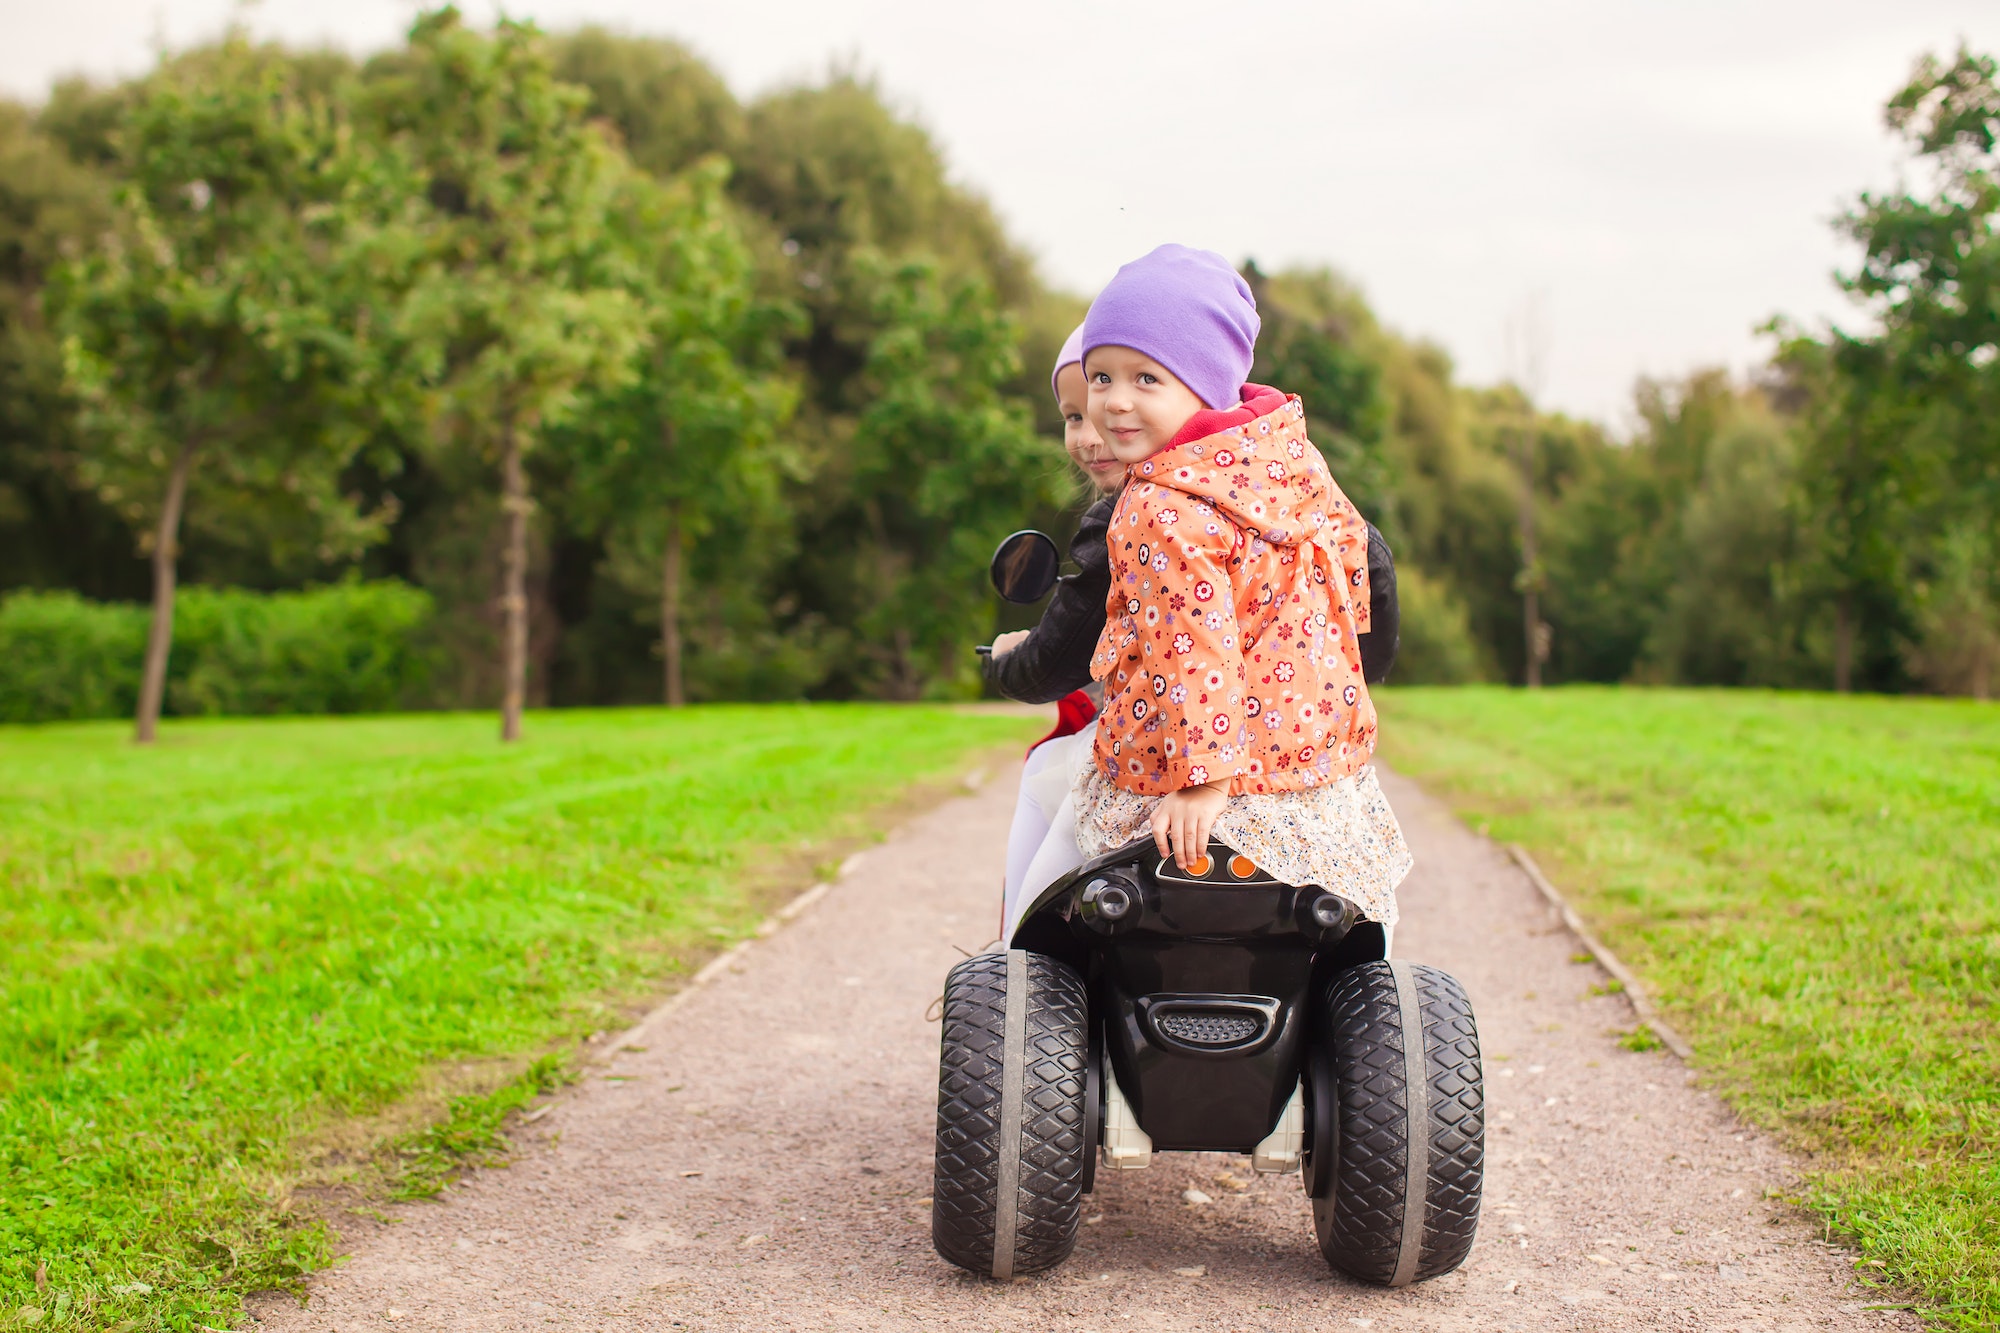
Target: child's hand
1009	641
1181	822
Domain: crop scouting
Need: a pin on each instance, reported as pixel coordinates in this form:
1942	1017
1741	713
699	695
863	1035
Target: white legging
1041	845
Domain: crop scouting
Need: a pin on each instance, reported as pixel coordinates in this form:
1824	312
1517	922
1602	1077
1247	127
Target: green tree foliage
670	109
208	335
1320	341
1436	646
52	533
837	196
842	177
1401	438
780	382
933	471
518	294
688	452
1904	450
1673	557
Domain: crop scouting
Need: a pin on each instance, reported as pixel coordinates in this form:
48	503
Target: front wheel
1012	1130
1397	1141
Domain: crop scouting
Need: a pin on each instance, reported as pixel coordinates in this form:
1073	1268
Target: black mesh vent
1209	1029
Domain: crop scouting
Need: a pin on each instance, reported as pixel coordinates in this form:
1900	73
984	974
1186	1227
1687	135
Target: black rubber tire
1361	1220
1053	1113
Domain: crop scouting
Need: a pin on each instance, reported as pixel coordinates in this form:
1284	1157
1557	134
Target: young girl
1042	665
1051	662
1234	699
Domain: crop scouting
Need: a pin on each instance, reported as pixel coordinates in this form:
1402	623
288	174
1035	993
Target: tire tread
1360	1223
1050	1194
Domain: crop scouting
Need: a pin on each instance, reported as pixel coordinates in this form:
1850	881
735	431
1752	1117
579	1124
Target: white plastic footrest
1284	1147
1126	1147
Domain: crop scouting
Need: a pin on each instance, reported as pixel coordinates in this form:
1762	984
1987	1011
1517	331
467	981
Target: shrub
62	657
1437	646
349	648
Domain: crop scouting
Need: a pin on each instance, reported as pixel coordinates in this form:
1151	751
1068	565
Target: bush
1437	646
62	657
349	648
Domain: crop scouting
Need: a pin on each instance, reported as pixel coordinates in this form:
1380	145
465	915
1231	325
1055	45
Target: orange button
1201	865
1242	867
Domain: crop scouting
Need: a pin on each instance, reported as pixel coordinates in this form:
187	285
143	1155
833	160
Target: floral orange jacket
1239	585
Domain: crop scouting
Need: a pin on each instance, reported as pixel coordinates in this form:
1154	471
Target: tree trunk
670	608
514	585
160	637
1533	641
1843	643
905	681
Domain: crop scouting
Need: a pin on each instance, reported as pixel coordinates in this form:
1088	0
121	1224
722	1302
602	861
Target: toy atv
1141	1008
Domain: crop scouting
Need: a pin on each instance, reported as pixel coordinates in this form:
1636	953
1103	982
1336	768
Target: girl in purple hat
1235	703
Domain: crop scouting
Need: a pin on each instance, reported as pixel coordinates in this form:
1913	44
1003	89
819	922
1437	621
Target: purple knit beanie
1070	355
1189	311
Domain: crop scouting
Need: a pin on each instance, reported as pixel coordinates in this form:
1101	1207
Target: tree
838	173
1527	338
519	295
868	235
939	467
691	441
1931	275
1314	343
206	339
671	110
1901	468
1397	433
52	533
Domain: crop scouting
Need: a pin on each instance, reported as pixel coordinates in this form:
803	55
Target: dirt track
759	1156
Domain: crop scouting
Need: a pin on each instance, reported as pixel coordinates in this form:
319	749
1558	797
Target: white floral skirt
1341	837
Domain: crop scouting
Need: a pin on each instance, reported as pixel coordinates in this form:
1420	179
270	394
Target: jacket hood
1255	465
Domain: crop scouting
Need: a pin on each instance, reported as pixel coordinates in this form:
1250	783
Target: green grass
216	952
1811	884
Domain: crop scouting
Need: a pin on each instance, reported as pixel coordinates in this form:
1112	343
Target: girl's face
1086	447
1135	402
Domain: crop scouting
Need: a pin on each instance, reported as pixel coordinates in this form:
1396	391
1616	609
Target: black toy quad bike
1141	1008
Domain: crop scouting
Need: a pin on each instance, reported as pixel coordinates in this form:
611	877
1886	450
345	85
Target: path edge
969	784
1635	990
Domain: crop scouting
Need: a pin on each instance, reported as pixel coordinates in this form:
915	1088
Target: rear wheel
1395	1169
1012	1131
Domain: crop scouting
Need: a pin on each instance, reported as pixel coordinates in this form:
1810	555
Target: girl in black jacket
1051	662
1041	665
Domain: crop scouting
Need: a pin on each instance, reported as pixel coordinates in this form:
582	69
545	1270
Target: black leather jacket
1055	658
1385	617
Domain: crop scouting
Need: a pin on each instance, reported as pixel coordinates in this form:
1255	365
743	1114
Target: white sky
1658	177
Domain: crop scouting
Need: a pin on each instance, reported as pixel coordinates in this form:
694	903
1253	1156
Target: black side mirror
1024	566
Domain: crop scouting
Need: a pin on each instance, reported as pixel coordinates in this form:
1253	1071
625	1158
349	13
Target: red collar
1258	399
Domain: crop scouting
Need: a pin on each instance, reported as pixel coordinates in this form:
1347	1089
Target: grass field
225	952
1812	886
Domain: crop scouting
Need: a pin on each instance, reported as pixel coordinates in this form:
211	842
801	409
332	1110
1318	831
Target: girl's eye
1101	377
1074	418
1145	378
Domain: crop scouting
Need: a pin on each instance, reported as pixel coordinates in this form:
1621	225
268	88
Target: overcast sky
1658	177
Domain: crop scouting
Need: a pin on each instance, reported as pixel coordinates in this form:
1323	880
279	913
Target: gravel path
758	1157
